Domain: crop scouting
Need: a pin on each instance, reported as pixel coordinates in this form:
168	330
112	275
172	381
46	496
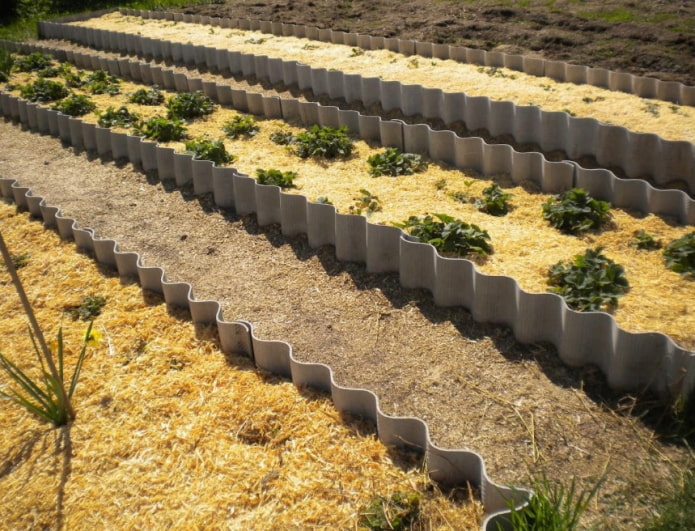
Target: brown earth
654	39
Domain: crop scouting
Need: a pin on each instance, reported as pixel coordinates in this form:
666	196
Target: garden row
639	154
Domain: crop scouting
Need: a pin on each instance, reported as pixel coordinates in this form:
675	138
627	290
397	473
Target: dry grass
172	433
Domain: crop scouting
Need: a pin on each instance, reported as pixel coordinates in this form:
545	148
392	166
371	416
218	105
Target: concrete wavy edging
633	361
448	467
442	146
638	154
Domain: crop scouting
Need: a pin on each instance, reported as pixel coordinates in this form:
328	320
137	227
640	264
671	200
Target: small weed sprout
323	200
43	90
241	125
356	52
324	142
589	282
448	235
283	179
365	203
644	241
494	201
679	255
152	96
205	149
440	184
6	64
161	129
651	108
75	105
254	40
189	105
575	211
393	162
397	512
120	117
413	62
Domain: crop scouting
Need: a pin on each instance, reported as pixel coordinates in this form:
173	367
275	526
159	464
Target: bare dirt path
474	384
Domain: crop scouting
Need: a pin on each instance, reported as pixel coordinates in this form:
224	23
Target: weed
283	179
356	52
495	71
241	125
323	200
651	108
205	149
72	79
461	197
75	105
575	211
679	255
440	184
396	512
494	201
448	235
253	40
675	109
393	162
161	129
49	71
553	506
33	62
310	47
88	309
152	96
365	203
43	90
325	142
282	138
413	62
677	507
546	87
6	63
19	261
645	241
570	112
587	99
120	117
589	282
189	105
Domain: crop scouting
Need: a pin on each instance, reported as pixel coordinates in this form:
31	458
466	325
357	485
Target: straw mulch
670	121
172	433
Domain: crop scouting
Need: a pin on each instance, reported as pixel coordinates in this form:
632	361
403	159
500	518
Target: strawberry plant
589	282
33	62
282	138
189	105
575	211
283	179
101	82
75	105
679	255
645	241
72	79
324	142
494	201
205	149
120	117
152	96
6	64
161	129
43	90
366	203
448	235
241	125
393	162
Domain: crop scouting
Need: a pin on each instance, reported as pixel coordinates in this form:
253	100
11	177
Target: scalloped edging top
640	155
449	467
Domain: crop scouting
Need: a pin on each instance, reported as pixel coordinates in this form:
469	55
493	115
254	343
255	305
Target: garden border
638	154
448	467
633	361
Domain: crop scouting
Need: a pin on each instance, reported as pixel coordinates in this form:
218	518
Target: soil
655	39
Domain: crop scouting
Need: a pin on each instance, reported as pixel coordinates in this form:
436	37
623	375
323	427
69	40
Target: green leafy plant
283	179
645	241
553	506
365	203
589	282
575	211
120	117
206	149
189	105
440	184
152	96
282	138
75	105
393	162
676	507
47	397
396	512
449	235
33	62
72	79
101	82
679	255
241	125
89	308
322	199
324	142
494	201
43	90
19	261
6	64
161	129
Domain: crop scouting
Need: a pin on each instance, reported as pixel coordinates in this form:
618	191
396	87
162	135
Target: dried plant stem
36	329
